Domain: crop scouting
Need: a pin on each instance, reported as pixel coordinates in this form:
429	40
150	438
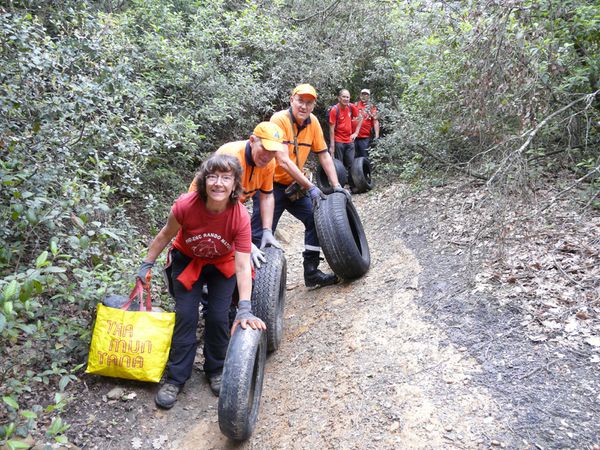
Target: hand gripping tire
360	171
323	181
241	386
342	236
268	295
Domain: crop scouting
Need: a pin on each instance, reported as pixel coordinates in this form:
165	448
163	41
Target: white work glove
257	256
268	239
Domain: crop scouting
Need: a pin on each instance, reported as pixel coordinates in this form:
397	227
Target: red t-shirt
368	117
207	235
343	122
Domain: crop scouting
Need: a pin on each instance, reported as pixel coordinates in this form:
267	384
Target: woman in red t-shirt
212	246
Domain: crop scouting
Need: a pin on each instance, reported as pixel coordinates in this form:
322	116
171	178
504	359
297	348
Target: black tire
268	295
323	181
241	386
360	171
342	236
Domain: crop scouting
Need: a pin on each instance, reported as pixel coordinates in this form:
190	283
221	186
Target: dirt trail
402	358
360	366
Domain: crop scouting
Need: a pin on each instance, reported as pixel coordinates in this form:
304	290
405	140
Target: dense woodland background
108	107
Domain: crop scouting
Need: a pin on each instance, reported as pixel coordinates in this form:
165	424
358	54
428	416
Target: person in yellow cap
256	156
302	135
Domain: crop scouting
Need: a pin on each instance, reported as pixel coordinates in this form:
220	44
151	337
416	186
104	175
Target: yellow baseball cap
271	136
305	89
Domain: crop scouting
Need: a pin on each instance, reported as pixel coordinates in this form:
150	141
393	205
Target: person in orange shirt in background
257	158
370	116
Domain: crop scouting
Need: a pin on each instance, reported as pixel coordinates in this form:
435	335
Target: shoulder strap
291	117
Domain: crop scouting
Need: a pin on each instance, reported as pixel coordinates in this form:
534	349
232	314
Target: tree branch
304	19
506	163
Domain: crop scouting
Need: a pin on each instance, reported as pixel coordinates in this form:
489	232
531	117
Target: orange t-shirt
253	178
309	137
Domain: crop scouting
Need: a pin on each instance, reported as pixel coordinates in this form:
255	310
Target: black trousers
217	321
362	145
345	153
301	209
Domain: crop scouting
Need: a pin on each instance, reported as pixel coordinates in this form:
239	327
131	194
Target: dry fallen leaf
129	396
136	443
551	324
594	341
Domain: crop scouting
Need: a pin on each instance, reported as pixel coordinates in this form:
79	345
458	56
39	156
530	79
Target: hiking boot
319	279
215	383
167	395
313	277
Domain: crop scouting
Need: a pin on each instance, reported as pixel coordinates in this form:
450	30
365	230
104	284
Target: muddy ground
419	353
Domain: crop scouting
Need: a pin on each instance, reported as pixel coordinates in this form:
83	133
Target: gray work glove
316	195
268	239
145	271
257	256
340	189
244	317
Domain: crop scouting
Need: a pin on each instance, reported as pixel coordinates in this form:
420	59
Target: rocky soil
444	343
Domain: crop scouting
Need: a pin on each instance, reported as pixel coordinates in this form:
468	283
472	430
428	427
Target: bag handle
138	293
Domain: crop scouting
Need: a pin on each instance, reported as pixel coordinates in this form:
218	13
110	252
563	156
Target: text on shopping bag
128	344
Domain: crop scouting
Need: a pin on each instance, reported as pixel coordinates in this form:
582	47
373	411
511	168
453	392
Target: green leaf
10	402
2	322
64	381
29	414
10	290
41	260
55	269
84	242
8	308
55	427
53	247
17	444
27	329
77	367
9	430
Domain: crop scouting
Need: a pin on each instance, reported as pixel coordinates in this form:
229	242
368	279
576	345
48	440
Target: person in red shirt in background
343	118
370	117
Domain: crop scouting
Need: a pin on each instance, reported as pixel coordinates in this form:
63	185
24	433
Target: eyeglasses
308	104
212	178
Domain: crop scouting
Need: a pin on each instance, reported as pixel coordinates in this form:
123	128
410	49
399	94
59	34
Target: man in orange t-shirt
302	134
257	158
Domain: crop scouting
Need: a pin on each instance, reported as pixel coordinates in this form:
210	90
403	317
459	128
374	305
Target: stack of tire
243	372
360	172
